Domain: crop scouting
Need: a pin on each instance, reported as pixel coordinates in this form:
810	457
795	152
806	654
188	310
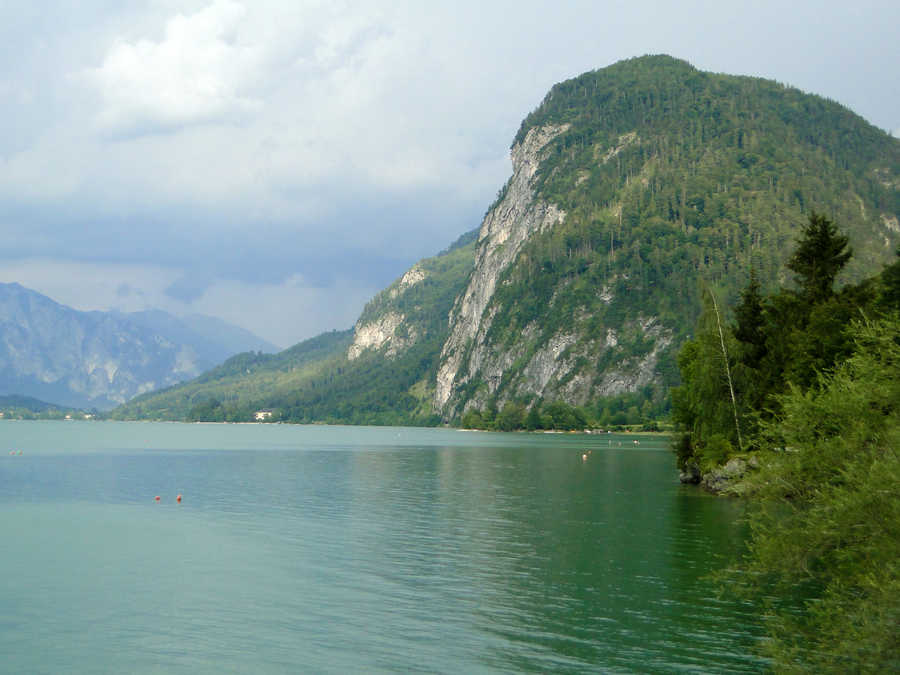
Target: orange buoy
156	498
178	499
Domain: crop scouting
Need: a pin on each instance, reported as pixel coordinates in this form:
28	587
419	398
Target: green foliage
701	406
749	324
786	339
818	395
890	291
827	520
515	416
821	254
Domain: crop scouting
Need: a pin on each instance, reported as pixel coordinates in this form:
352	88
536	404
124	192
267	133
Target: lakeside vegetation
634	411
805	384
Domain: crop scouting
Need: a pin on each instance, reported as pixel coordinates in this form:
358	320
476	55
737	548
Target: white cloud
199	72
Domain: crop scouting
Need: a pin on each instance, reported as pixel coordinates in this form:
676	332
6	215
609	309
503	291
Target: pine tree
821	254
749	327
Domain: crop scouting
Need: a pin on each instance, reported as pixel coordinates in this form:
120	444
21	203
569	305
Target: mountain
381	372
633	188
101	359
27	403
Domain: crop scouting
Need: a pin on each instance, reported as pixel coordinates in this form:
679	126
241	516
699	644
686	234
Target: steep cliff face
506	228
476	367
381	326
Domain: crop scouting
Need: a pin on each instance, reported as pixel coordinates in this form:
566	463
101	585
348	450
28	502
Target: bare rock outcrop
515	218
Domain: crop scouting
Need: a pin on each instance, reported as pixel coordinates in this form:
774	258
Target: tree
890	278
826	519
510	417
702	407
749	326
533	419
821	254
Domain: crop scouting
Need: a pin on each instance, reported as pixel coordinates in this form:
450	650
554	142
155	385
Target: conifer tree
821	254
749	327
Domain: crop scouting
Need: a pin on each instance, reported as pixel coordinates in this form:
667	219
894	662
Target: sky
276	163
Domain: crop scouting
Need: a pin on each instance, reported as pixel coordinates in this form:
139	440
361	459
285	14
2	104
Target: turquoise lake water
347	549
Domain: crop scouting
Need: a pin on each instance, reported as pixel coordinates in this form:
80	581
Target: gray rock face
504	230
725	477
88	359
381	332
536	363
691	474
386	327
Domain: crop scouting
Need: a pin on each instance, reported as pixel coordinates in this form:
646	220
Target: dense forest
804	385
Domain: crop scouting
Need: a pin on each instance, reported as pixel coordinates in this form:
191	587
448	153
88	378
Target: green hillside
314	381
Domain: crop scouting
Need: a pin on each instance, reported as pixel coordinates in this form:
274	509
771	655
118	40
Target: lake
350	549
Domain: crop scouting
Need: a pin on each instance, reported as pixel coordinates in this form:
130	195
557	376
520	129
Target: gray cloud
236	146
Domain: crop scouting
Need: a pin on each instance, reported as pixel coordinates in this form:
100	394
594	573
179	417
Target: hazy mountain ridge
632	188
97	359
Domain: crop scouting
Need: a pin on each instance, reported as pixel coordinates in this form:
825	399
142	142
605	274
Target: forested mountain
100	359
634	187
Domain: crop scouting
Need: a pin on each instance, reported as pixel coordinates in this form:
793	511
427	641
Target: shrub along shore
797	404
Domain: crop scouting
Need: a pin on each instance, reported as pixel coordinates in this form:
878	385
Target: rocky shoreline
726	479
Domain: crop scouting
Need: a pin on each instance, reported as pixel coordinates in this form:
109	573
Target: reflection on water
342	550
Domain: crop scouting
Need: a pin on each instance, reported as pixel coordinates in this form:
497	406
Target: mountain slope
632	186
378	373
94	359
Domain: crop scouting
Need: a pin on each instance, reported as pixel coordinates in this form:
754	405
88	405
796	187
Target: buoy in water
178	499
156	498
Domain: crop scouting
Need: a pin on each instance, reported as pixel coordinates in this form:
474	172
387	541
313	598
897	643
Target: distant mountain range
101	359
633	189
